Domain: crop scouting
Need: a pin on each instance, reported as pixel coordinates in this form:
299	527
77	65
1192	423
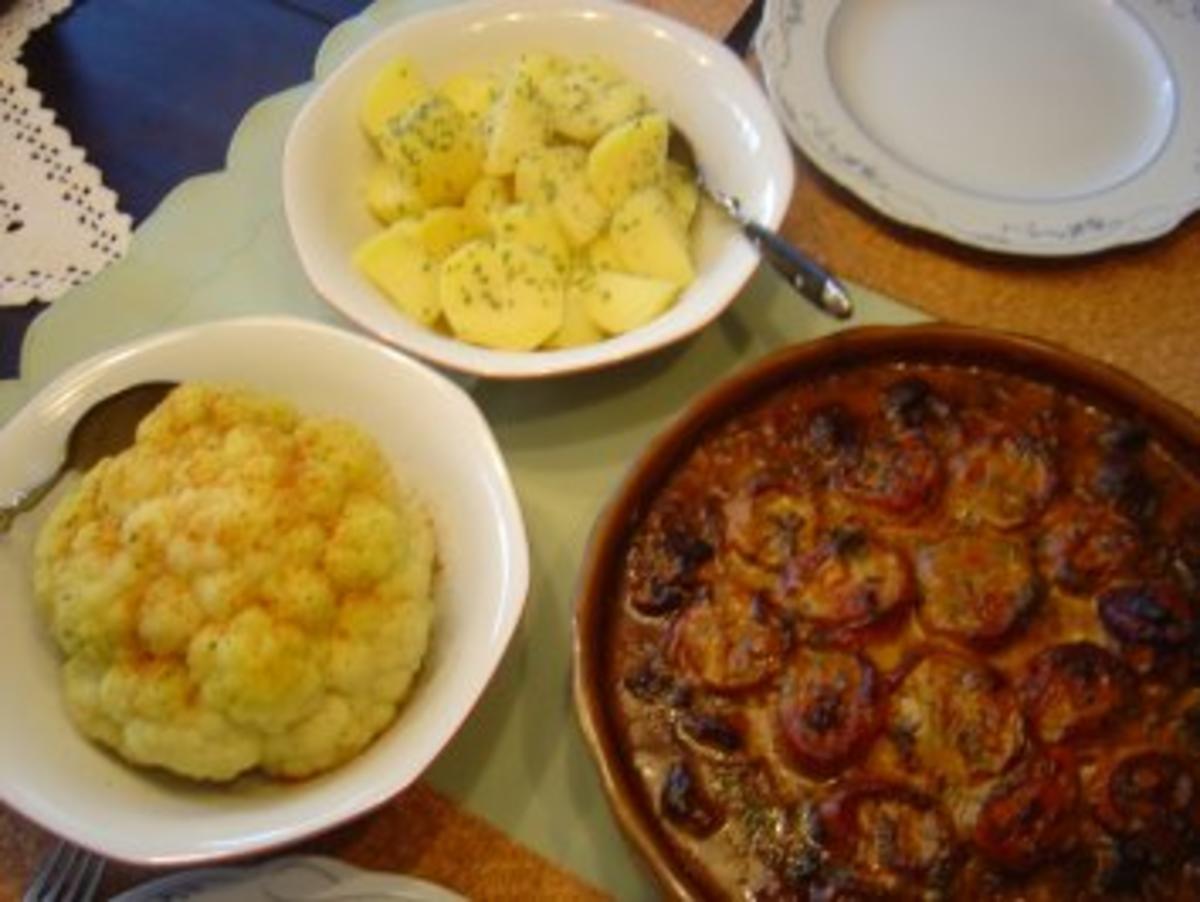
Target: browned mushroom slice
852	580
1030	815
828	709
956	718
1083	544
770	523
1003	478
975	587
1149	793
896	474
1073	690
733	640
887	835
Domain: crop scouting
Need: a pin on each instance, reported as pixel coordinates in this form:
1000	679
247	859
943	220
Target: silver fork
67	874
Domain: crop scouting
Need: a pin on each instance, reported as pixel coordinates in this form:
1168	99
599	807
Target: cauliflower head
243	588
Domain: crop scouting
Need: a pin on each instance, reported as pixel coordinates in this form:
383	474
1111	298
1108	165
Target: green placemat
218	247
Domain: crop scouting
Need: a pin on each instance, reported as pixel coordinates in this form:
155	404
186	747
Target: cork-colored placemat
420	833
1137	307
714	17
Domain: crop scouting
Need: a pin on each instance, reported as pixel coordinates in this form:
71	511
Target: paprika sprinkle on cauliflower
244	588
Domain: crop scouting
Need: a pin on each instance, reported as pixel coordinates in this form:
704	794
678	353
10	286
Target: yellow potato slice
435	147
472	93
619	302
601	253
398	264
501	294
649	240
588	97
540	170
389	196
443	230
578	328
580	214
535	227
628	157
487	197
394	90
541	67
519	120
557	176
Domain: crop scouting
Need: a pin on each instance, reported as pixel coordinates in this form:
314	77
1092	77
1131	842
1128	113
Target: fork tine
67	874
93	882
67	877
45	871
89	878
78	870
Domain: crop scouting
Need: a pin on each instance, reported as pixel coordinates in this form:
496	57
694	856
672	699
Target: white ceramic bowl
441	445
697	82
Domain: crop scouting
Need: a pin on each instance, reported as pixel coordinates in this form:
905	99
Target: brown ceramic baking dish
1092	382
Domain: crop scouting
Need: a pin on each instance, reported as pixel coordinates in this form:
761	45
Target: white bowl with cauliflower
266	618
488	185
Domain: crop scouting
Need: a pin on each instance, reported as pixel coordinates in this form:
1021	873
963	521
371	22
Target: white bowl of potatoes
488	186
132	734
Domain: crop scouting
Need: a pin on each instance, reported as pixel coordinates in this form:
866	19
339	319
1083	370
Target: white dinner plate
1021	126
298	878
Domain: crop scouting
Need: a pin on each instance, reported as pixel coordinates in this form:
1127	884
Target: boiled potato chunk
619	302
518	122
473	93
578	328
589	97
628	157
542	68
579	212
501	294
557	176
400	266
436	149
487	197
389	196
535	227
649	240
539	171
443	229
394	91
602	253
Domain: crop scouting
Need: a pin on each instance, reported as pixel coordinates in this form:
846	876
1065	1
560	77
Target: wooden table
1137	308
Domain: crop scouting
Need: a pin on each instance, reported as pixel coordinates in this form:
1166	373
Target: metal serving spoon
105	428
805	275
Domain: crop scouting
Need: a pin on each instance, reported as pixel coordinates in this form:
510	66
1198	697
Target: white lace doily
58	223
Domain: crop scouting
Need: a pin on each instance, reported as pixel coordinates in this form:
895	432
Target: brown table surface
1137	308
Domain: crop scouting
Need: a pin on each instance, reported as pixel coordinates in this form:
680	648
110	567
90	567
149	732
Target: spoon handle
806	275
27	499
